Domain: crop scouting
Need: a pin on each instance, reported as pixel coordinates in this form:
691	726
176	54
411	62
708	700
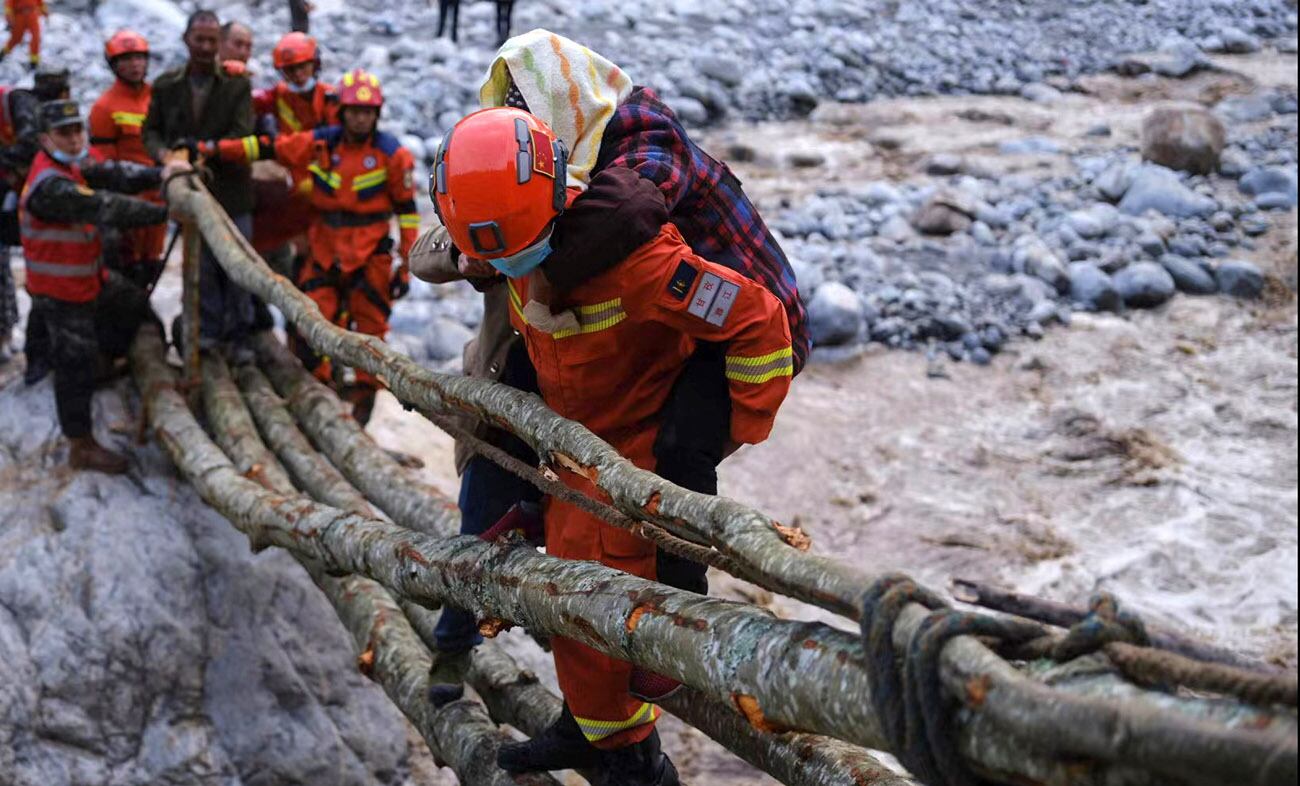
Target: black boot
560	747
642	764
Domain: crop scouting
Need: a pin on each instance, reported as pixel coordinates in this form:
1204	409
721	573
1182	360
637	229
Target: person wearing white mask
90	315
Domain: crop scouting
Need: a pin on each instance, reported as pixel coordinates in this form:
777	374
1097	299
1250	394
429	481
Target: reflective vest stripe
69	234
61	270
286	114
597	730
760	369
331	180
409	220
591	319
128	118
375	177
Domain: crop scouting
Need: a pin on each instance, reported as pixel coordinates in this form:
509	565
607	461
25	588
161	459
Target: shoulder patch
713	299
387	143
679	286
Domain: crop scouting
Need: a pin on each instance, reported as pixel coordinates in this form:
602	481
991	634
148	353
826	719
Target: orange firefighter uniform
24	17
116	124
611	366
293	112
357	189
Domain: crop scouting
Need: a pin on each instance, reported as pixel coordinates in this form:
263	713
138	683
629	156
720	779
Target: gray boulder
1144	285
1114	182
808	277
1235	41
1093	222
1270	180
727	70
1040	93
944	164
1189	276
835	315
1186	138
944	213
446	339
1034	258
1092	288
1239	278
1159	189
1246	109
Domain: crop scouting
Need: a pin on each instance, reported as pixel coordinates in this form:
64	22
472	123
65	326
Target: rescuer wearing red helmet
116	125
361	179
606	353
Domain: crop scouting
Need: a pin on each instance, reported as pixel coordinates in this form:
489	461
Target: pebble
1092	288
835	314
1240	278
1093	222
944	164
1189	276
1264	181
1144	285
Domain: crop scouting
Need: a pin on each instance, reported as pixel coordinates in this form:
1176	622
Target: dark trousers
505	10
227	312
298	18
77	334
449	10
487	492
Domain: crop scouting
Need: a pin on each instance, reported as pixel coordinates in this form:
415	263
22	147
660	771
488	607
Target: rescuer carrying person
361	179
607	353
85	310
116	133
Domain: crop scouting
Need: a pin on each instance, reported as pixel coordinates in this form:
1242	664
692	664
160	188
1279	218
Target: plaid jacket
705	201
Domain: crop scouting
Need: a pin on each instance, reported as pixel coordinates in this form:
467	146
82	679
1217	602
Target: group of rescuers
627	280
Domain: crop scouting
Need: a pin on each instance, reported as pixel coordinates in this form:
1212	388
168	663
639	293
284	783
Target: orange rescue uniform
357	189
612	370
294	112
116	122
24	18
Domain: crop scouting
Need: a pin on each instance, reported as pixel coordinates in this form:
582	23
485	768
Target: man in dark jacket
85	310
201	101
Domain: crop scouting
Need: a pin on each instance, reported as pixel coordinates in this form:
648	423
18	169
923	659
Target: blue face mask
68	159
306	87
524	262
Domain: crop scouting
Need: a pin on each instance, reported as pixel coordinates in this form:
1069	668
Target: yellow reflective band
331	179
371	179
408	220
597	730
128	118
596	317
286	114
252	149
763	368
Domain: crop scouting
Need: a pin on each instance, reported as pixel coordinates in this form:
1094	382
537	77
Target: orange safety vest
296	112
62	259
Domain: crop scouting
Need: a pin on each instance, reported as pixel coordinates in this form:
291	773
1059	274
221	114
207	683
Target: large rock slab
1158	188
142	642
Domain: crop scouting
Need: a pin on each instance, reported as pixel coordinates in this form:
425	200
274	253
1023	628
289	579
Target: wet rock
1092	288
1240	278
1235	41
1034	145
1189	276
806	159
944	214
1144	285
1040	93
1159	189
1093	222
1034	258
835	314
1246	109
944	164
1186	138
1270	180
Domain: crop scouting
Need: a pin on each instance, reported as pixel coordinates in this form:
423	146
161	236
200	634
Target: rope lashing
1106	623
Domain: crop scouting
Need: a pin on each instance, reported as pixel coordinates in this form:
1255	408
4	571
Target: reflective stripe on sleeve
252	148
764	368
128	118
61	270
409	220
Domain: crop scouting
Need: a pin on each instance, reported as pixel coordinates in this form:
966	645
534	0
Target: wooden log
460	734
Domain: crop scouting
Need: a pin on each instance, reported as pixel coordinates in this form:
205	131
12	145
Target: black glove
190	145
400	284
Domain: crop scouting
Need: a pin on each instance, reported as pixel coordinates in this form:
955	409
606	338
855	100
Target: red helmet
295	49
360	88
498	181
125	42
